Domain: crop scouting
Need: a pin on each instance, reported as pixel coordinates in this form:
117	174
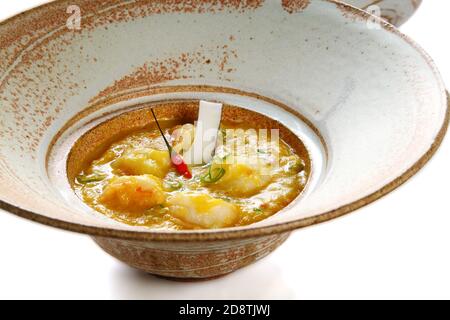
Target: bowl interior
72	152
368	102
93	143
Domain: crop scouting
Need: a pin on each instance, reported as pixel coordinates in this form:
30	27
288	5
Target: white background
395	248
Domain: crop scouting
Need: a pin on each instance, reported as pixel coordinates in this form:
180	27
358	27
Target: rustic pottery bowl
368	104
397	12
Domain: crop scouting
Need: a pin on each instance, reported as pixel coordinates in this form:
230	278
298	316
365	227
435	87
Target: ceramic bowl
368	104
396	12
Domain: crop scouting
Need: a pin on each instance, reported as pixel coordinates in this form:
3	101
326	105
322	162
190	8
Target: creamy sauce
135	183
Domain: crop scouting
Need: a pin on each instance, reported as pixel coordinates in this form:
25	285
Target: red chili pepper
180	165
177	160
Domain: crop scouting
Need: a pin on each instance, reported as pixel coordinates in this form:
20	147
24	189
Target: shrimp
133	194
183	137
240	179
143	161
203	210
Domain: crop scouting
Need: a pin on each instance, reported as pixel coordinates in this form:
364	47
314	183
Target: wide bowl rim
259	231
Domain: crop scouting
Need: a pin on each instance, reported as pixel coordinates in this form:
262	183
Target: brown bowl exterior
191	261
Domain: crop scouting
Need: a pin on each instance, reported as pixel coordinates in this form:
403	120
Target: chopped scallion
95	177
213	175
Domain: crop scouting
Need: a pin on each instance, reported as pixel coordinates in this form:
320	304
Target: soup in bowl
253	174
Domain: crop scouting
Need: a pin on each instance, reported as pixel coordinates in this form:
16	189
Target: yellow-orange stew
251	177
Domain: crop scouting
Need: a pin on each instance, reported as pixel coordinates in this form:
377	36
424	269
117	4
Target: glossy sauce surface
251	177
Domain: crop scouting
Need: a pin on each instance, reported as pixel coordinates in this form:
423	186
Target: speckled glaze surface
368	104
187	260
397	12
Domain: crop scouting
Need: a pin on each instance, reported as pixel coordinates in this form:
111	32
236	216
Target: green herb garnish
95	177
298	166
213	175
173	185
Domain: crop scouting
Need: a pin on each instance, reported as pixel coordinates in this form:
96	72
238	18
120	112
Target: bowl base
191	261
